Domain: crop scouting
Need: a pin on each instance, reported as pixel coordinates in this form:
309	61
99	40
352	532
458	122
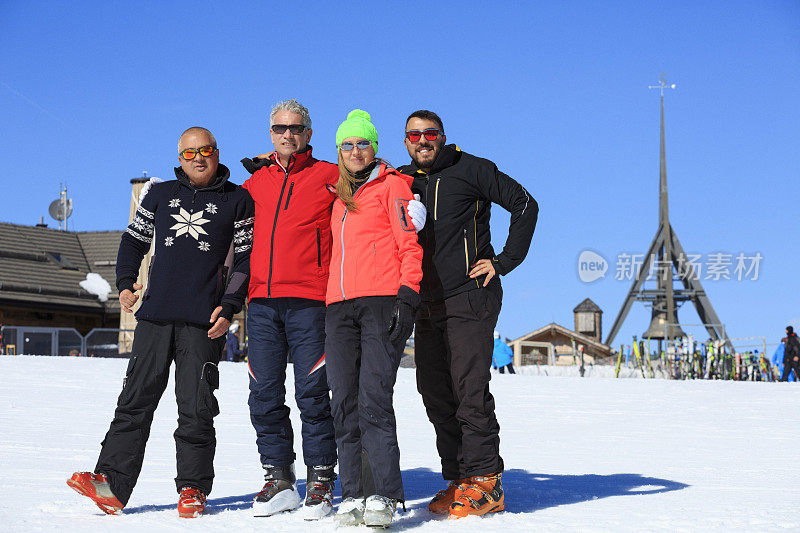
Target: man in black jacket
203	228
461	298
791	355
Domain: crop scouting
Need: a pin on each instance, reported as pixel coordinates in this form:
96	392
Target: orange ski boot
96	487
191	503
482	495
440	503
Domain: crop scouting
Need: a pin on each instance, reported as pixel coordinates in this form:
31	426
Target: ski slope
581	454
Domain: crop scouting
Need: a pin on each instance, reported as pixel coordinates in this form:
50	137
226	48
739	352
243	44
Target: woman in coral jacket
373	293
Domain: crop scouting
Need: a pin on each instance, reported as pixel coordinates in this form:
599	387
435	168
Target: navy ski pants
279	328
155	346
362	369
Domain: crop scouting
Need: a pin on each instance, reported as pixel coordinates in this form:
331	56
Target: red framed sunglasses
430	134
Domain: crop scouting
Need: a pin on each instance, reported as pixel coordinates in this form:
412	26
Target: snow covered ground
581	454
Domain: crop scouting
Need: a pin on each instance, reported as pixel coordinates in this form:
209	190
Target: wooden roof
45	265
587	306
556	328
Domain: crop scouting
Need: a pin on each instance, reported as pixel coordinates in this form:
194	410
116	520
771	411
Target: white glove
147	186
417	211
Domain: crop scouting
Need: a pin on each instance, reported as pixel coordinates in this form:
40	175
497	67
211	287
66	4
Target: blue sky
94	93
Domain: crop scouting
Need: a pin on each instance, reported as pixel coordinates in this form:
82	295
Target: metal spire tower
669	253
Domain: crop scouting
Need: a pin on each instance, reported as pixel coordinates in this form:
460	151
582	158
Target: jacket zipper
341	238
436	199
341	267
288	196
275	221
319	252
466	250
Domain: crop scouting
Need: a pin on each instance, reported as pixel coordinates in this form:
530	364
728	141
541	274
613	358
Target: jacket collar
222	177
447	157
297	161
379	173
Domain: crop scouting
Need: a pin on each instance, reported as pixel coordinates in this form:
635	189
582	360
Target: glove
252	165
147	186
401	323
418	213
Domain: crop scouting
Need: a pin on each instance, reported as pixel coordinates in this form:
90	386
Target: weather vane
662	84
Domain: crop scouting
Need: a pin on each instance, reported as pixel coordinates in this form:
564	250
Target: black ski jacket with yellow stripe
458	193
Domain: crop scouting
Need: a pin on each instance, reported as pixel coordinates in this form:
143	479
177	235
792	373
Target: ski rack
723	338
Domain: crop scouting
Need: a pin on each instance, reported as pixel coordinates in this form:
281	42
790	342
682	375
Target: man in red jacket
293	195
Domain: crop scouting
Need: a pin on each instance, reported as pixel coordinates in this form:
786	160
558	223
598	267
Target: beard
425	160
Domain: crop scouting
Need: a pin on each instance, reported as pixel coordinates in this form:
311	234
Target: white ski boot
279	493
378	511
350	513
320	483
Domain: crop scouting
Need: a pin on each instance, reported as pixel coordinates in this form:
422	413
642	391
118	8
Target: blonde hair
344	187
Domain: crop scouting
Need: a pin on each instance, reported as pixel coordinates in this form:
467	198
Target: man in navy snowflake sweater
202	226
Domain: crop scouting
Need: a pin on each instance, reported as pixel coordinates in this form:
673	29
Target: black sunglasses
296	129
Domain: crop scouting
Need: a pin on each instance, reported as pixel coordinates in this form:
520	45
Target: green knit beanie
358	124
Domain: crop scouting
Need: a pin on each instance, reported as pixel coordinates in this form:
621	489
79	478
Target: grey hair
196	129
292	106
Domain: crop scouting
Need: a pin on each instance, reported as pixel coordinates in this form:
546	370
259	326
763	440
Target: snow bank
590	371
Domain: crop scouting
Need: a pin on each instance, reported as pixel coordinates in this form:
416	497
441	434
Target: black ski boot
320	483
279	492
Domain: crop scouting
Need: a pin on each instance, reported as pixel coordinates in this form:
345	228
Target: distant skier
232	343
502	355
185	312
791	355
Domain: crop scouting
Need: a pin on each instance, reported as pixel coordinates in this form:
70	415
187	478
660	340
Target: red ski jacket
292	236
375	248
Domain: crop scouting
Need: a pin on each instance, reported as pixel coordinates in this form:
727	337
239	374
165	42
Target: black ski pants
362	369
155	346
453	354
788	366
509	366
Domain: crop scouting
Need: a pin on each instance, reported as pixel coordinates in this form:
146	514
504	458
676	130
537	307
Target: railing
99	342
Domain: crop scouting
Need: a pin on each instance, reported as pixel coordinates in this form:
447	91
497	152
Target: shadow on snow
525	492
225	503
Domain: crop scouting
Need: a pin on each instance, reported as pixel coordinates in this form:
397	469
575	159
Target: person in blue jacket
232	343
502	356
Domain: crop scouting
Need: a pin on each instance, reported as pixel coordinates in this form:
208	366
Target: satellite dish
61	209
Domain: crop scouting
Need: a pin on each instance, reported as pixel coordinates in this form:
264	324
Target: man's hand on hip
221	324
127	299
481	267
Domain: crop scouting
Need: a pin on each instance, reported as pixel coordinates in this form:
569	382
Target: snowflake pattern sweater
195	231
